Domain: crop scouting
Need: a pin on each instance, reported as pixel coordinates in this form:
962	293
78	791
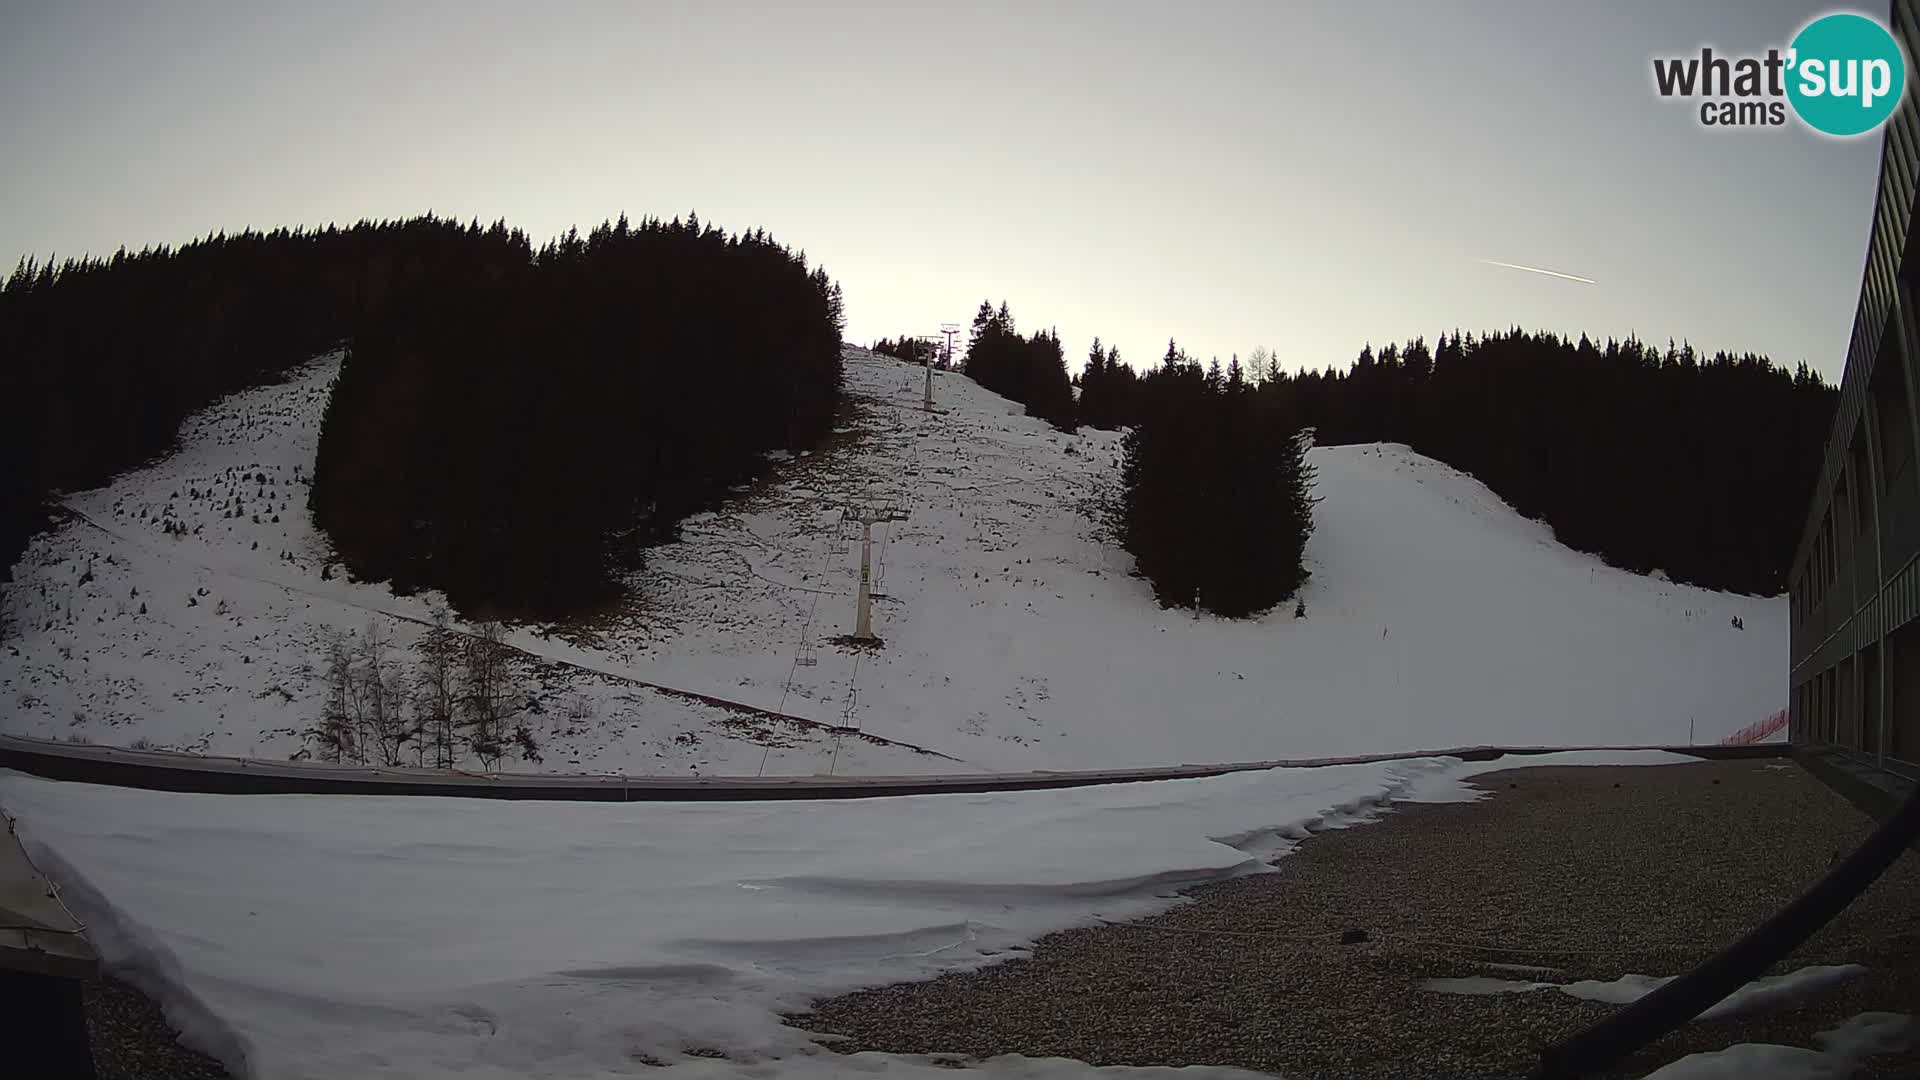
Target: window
1891	414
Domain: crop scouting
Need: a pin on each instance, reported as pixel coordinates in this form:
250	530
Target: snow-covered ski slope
188	605
1015	638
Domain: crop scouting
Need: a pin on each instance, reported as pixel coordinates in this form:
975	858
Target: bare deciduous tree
380	681
465	695
1263	365
487	684
334	732
436	693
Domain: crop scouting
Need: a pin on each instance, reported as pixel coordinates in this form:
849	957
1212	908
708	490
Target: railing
171	771
1759	731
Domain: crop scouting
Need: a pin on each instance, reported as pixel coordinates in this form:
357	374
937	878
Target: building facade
1854	588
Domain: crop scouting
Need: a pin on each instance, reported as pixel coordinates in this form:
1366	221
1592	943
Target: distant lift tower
929	344
947	330
868	517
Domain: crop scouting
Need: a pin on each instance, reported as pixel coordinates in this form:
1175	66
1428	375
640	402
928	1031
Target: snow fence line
1759	731
163	770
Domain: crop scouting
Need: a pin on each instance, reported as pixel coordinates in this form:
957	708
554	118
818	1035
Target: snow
1016	638
1762	994
324	936
1842	1050
1481	985
1872	1033
1756	1061
225	657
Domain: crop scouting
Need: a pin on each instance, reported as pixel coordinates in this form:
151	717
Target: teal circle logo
1846	74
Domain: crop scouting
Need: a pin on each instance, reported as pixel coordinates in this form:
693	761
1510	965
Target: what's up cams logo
1843	74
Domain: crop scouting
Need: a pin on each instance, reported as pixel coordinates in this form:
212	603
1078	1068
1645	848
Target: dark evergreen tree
101	358
1650	458
912	350
1216	503
1030	370
519	442
1107	389
1123	389
1092	381
1049	393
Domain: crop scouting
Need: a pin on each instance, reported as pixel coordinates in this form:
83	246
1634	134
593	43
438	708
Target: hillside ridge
1015	637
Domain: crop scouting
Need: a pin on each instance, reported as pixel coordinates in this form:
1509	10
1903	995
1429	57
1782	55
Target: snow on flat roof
322	936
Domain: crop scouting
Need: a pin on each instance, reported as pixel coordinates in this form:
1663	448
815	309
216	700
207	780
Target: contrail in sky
1537	270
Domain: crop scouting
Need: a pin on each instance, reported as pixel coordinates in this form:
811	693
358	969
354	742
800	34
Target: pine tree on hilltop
1030	370
981	320
1095	402
1123	388
983	346
1049	393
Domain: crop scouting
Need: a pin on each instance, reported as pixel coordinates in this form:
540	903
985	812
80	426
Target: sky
1307	177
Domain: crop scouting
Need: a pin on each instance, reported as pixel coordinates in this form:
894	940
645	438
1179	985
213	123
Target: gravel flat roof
132	1040
1560	874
